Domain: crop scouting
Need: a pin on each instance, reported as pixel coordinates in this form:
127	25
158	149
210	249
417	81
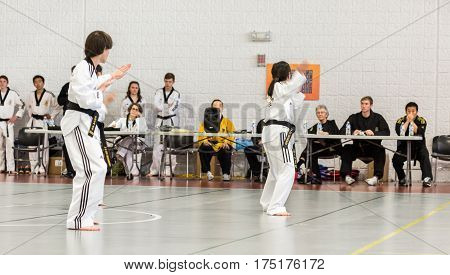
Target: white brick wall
206	44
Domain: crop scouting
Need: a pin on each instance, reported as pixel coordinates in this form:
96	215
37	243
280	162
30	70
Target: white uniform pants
6	146
34	156
86	155
282	169
158	148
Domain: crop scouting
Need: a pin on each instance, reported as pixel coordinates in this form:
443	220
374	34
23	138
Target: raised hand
119	73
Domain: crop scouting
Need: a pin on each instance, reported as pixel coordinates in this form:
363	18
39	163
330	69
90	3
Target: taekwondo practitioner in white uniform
126	145
278	136
166	103
133	96
83	136
9	99
41	104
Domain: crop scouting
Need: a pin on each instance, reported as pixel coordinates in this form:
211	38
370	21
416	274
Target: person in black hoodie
327	127
366	123
419	149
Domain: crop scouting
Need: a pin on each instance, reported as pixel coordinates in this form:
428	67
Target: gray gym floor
195	220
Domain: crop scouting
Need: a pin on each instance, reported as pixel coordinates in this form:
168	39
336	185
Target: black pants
207	152
252	153
69	167
351	152
314	165
421	154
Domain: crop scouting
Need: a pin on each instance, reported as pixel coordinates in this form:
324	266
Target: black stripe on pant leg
282	151
88	175
87	170
286	148
83	190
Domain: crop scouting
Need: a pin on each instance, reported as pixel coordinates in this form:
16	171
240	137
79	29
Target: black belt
288	136
283	123
101	127
5	120
37	117
94	114
165	117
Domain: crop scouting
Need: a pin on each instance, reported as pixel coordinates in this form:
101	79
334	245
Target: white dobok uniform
166	104
37	108
9	99
84	145
286	97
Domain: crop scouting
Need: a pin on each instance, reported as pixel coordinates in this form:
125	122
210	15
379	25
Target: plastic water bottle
410	130
402	131
305	127
253	127
348	129
319	128
45	122
51	123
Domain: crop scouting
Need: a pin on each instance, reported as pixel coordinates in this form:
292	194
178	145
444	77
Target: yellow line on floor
399	230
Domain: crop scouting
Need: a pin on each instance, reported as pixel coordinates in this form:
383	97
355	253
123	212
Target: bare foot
87	228
282	214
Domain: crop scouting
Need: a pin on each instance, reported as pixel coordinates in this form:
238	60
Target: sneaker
426	182
349	180
402	182
372	181
226	177
209	175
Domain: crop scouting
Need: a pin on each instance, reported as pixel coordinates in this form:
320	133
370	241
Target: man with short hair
419	149
9	99
365	123
166	102
41	105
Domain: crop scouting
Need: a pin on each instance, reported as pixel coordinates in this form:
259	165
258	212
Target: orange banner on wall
312	85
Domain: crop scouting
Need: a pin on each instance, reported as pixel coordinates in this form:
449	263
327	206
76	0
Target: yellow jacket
226	126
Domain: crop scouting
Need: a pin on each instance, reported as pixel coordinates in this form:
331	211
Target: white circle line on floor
154	217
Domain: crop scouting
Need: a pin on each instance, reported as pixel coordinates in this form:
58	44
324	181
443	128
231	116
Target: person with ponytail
283	96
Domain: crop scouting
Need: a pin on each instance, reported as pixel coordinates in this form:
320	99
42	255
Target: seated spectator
252	152
326	127
365	123
219	146
418	148
126	145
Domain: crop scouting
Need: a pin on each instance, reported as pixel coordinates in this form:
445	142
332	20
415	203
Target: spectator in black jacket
327	127
419	149
365	123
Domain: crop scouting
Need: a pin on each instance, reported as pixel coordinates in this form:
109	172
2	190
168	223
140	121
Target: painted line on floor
401	229
153	217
